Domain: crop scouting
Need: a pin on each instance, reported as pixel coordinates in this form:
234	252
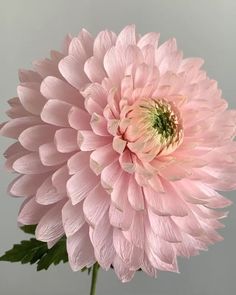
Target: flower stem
94	279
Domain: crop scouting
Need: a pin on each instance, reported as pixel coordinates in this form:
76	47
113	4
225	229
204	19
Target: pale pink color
122	145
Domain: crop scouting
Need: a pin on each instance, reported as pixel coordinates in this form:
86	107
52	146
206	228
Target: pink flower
122	145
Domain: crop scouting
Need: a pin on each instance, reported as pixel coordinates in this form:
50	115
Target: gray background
28	30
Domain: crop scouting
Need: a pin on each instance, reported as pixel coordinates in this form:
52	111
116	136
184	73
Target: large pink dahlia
122	145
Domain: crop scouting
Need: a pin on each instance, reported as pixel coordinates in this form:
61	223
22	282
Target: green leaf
55	255
29	229
34	251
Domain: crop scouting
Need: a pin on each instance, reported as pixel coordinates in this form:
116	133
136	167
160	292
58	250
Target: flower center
163	121
156	123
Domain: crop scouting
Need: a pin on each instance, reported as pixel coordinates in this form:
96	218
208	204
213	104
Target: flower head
122	145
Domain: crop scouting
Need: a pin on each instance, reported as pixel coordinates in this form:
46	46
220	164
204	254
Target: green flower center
163	121
155	123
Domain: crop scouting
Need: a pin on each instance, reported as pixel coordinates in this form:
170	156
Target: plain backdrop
28	30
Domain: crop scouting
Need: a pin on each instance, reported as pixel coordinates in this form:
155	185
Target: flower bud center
157	122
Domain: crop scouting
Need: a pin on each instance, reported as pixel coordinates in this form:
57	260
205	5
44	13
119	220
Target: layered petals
121	147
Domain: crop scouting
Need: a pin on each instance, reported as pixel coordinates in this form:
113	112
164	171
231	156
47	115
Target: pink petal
119	144
103	42
93	68
102	157
87	40
47	193
161	249
110	174
149	54
26	185
123	247
31	98
66	140
164	227
148	268
167	203
59	179
146	75
13	149
13	153
206	214
14	127
29	76
133	55
113	106
14	101
189	224
136	233
89	141
99	125
78	162
167	56
166	49
72	70
79	119
104	252
11	160
17	111
189	63
50	226
157	263
122	271
126	37
95	205
135	194
156	184
92	106
32	137
96	92
46	67
126	161
55	112
80	250
114	66
72	218
80	184
50	244
190	246
149	39
102	239
30	164
219	202
121	219
112	126
54	88
77	50
82	46
119	192
195	193
31	212
127	87
100	232
50	156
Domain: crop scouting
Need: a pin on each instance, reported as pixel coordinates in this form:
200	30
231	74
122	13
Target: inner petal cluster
155	126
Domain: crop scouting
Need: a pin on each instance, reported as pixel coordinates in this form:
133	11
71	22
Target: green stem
94	279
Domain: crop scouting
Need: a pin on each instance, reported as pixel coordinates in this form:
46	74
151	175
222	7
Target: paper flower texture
122	146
